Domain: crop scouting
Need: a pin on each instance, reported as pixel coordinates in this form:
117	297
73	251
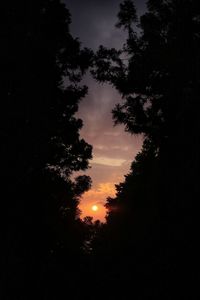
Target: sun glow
95	208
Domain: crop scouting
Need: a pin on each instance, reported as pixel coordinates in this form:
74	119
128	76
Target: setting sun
95	208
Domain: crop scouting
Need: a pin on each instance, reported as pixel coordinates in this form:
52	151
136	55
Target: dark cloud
94	21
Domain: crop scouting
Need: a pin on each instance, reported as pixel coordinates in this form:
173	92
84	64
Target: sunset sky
113	149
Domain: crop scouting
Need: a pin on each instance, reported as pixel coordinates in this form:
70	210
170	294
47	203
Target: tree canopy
148	247
150	223
157	71
42	65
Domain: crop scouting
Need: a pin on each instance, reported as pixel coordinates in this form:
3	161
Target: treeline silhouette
148	247
41	67
152	226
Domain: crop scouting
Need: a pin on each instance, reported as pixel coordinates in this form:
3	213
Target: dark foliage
150	244
41	68
148	248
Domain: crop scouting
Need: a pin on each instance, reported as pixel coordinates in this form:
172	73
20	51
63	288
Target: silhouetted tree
161	70
152	223
42	66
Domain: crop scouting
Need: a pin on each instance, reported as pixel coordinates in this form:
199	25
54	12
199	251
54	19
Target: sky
93	22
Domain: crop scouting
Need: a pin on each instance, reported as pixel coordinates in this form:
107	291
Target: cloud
113	148
108	161
94	21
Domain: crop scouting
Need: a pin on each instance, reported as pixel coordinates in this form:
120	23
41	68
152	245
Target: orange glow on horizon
98	195
93	201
